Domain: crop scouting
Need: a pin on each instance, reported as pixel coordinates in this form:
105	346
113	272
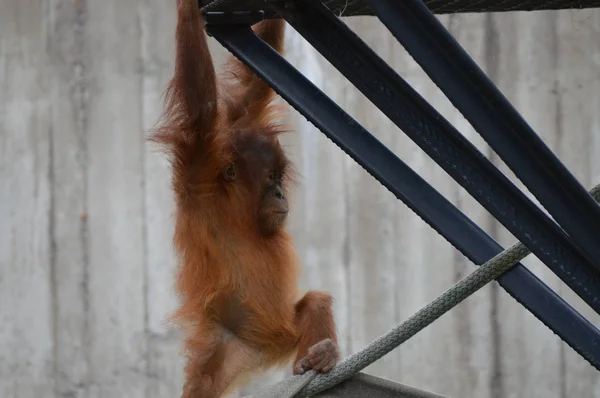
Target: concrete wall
86	264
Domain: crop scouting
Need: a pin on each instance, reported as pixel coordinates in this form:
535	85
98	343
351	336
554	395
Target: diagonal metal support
407	185
495	119
446	146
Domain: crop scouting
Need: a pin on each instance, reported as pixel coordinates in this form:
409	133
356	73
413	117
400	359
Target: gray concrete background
86	264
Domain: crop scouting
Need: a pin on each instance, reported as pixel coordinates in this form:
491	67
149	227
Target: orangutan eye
230	172
272	176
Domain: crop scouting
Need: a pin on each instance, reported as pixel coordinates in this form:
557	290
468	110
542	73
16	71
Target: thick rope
216	4
484	274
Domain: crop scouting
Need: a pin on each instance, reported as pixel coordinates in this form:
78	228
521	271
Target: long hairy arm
188	127
251	94
192	92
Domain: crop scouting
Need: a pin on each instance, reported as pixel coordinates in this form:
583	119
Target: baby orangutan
237	276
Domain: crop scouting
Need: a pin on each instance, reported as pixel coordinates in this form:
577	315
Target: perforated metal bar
360	7
406	185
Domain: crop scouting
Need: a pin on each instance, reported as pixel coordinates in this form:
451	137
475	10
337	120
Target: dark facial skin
274	205
260	167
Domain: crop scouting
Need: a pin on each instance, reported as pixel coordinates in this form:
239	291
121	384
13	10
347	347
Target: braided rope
216	4
486	273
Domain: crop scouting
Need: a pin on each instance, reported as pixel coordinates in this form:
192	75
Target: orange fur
237	276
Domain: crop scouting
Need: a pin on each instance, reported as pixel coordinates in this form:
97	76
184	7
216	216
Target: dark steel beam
407	185
495	119
446	146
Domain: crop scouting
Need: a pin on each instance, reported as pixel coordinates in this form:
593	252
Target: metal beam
495	119
406	185
446	146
